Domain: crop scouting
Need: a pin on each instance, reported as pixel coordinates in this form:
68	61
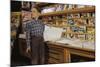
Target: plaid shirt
34	28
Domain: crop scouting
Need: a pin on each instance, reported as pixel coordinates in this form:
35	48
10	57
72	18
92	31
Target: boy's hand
28	49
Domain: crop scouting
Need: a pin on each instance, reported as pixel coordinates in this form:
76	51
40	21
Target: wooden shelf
81	18
79	33
80	25
56	20
16	13
65	26
70	11
69	19
54	13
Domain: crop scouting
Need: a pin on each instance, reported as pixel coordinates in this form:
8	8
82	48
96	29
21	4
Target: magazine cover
51	33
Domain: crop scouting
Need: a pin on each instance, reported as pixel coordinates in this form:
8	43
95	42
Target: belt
36	36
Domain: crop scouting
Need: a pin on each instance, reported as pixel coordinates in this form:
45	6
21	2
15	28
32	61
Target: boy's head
35	13
26	14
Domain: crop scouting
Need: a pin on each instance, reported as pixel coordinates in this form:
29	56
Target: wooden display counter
59	53
66	51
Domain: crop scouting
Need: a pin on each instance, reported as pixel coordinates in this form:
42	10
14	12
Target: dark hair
26	9
26	6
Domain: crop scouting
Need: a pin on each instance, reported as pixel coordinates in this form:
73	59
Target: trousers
37	50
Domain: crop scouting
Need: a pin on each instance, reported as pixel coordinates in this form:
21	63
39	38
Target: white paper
89	45
71	42
52	33
23	36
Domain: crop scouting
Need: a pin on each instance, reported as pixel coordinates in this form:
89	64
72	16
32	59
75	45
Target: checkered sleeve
28	34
